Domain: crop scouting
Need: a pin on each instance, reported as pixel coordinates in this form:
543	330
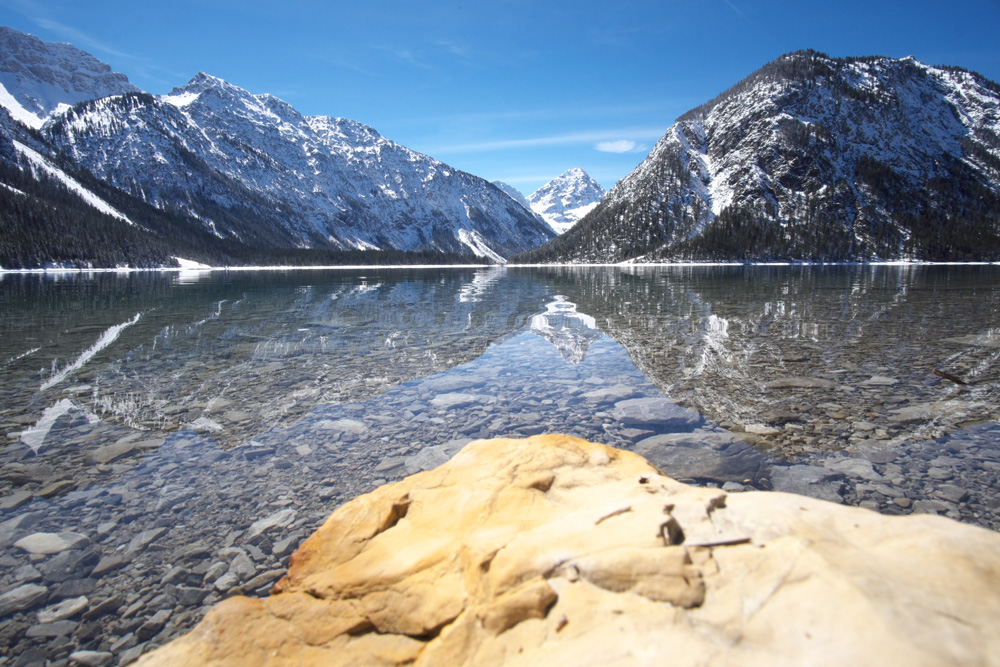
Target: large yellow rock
556	551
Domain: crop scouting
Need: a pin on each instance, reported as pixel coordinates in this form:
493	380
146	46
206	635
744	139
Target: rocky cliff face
554	550
818	158
42	77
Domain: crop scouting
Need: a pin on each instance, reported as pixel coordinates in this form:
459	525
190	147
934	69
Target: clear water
190	429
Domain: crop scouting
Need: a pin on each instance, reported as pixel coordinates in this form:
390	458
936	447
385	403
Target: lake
169	438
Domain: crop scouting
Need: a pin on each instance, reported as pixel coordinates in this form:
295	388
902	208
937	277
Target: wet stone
50	543
23	597
91	658
57	629
951	493
66	609
808	480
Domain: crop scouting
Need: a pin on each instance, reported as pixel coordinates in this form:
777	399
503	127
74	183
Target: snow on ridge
475	242
180	100
72	184
89	197
17	110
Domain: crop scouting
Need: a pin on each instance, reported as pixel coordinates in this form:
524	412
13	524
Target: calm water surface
168	439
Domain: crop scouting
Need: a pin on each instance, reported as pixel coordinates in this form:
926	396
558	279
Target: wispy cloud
619	146
404	56
735	8
81	39
654	108
601	136
454	49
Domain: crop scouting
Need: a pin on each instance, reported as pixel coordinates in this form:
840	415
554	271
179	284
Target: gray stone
142	540
761	429
108	606
91	658
715	456
281	518
50	543
26	573
284	546
131	655
242	567
10	528
57	629
108	453
108	564
23	597
456	400
225	582
14	500
853	468
342	426
617	392
931	506
152	626
190	596
68	608
807	480
655	411
215	571
431	457
126	641
263	579
800	383
780	417
951	493
880	381
106	527
391	463
175	574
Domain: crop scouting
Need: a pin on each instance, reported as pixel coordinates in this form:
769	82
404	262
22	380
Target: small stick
949	376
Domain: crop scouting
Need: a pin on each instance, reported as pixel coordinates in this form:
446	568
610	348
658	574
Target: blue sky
512	90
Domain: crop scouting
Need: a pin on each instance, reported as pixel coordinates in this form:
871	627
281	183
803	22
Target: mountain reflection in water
571	332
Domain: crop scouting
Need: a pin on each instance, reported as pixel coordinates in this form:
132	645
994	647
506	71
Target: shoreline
369	267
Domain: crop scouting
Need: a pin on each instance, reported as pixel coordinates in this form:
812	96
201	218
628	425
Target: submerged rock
554	550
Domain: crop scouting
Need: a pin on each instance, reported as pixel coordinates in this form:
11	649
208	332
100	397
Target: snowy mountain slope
39	78
566	198
514	194
37	163
813	157
254	169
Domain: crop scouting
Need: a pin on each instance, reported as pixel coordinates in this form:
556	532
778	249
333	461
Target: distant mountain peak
41	78
566	198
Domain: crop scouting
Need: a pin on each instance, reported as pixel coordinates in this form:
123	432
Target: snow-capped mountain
813	157
252	165
250	169
41	78
566	198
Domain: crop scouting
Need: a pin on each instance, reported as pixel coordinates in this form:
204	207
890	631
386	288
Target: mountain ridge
253	171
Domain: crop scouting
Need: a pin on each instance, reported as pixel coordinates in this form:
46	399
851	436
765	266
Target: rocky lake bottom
118	532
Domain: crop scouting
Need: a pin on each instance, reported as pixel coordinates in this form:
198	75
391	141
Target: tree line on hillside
43	224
